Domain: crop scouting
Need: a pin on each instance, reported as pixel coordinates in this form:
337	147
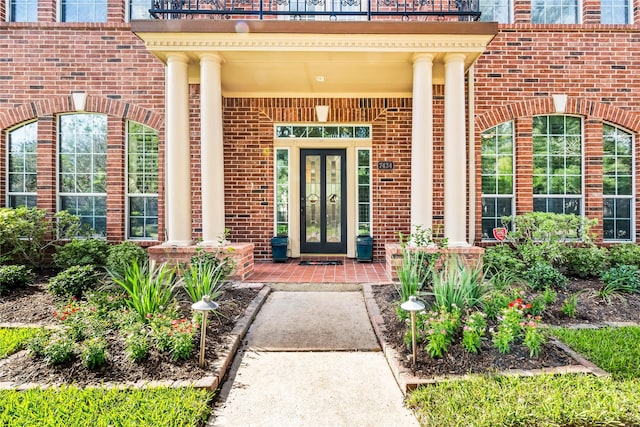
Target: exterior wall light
205	305
412	305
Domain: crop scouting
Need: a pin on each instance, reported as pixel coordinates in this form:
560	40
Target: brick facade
42	64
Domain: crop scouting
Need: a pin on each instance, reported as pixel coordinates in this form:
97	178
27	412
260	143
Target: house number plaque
385	166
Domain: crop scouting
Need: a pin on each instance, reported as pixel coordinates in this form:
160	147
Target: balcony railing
309	10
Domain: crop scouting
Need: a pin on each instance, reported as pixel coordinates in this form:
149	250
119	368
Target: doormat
321	262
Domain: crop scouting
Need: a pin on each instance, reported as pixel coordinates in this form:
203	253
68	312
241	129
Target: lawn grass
561	400
14	339
71	406
616	350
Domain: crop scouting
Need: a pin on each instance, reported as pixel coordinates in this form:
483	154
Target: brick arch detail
95	104
578	106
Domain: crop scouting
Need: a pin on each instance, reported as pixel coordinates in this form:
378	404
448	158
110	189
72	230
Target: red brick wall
597	66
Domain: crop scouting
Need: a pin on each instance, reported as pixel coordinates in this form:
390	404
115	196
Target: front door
323	213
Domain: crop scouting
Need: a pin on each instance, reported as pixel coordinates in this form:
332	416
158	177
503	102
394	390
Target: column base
177	243
213	244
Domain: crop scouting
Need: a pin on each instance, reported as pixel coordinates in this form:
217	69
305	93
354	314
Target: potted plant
279	244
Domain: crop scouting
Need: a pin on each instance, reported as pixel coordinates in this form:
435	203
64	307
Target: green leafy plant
534	337
204	278
624	254
473	331
28	234
38	343
543	275
182	333
585	261
439	330
459	286
82	252
15	339
569	306
59	350
14	276
509	326
94	353
149	287
411	271
501	259
619	280
137	344
74	281
122	255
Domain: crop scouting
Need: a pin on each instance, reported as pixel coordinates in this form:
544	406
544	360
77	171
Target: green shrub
124	254
14	276
585	262
500	258
59	350
38	343
569	306
459	286
542	276
624	254
74	281
137	343
82	252
25	233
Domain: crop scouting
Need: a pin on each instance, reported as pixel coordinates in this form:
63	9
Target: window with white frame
83	11
496	11
23	10
497	177
139	9
364	192
617	183
82	168
282	192
614	12
142	182
21	165
557	164
555	12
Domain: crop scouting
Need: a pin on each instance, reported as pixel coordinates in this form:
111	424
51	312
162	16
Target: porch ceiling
315	59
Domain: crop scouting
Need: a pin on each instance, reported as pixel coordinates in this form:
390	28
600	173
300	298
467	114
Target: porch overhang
315	59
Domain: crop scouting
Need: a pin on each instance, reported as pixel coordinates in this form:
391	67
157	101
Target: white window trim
7	134
275	186
357	225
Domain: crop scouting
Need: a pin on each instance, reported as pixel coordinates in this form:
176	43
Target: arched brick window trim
575	106
64	104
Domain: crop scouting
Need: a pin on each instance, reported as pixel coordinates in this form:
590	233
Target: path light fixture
412	305
205	305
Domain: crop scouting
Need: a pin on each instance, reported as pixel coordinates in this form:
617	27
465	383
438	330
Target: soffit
266	64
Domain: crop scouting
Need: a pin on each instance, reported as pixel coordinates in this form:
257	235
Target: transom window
82	160
322	131
142	181
557	164
23	10
554	12
497	177
83	11
617	183
614	11
21	166
496	11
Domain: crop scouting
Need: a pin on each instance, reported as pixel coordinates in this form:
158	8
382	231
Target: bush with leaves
585	261
74	281
82	252
500	258
458	285
543	275
26	233
14	276
124	254
619	280
204	278
624	254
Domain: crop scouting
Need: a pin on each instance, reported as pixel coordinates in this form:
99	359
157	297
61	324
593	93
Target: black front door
323	213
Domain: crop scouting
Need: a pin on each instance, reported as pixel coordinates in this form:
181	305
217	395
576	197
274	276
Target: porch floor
351	271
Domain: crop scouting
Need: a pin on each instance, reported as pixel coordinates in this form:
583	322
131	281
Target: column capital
454	57
211	57
422	57
177	57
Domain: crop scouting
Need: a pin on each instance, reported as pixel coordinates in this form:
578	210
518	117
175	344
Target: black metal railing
334	10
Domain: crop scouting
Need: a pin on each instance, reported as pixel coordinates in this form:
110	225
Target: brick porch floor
291	272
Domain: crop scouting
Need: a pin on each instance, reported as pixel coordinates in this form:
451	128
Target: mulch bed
35	305
457	361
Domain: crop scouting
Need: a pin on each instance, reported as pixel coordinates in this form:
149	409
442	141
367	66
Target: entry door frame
324	247
294	145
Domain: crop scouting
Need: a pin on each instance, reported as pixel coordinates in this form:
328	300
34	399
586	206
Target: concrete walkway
276	381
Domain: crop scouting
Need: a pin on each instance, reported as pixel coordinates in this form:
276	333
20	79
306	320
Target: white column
455	156
422	143
178	162
212	151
